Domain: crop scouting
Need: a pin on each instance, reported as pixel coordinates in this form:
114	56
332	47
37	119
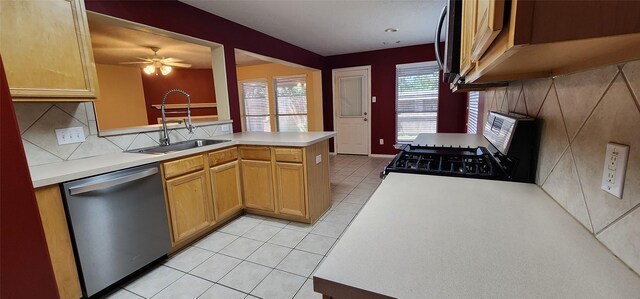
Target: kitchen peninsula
280	175
469	238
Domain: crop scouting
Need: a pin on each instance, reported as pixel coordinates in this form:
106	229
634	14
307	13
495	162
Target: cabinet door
257	185
489	16
467	32
189	205
291	189
46	49
225	183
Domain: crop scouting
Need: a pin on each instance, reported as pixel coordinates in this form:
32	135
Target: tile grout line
37	120
584	197
606	90
631	91
618	219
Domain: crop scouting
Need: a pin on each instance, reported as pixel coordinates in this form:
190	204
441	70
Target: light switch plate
318	159
70	135
373	99
224	128
615	167
381	141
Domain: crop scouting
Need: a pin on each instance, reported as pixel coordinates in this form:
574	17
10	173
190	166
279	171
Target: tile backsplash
579	114
38	121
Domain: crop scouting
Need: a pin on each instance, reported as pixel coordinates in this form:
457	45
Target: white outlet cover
318	159
224	128
381	141
615	167
373	99
70	135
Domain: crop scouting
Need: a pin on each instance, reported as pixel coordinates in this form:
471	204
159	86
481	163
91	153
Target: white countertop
48	174
423	236
450	139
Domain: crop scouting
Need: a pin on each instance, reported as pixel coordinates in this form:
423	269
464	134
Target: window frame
415	65
275	101
243	115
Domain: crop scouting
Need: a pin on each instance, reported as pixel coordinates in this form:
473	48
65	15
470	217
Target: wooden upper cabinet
190	205
227	194
488	16
532	39
257	185
290	189
46	50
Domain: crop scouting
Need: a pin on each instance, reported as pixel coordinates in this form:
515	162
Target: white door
351	88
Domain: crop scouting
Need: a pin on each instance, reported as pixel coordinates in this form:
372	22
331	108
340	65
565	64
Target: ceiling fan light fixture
165	70
149	69
389	30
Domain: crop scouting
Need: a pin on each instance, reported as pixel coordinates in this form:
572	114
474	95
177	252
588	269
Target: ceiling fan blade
176	64
145	59
135	62
171	59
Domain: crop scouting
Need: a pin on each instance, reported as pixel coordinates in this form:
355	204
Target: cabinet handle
102	184
436	44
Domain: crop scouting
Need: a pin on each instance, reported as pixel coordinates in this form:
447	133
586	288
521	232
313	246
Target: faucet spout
164	140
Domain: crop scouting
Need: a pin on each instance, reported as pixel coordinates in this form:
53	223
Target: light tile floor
254	256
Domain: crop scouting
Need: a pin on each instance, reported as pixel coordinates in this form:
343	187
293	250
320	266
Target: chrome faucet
164	140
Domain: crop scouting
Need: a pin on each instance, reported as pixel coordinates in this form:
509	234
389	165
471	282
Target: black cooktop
475	162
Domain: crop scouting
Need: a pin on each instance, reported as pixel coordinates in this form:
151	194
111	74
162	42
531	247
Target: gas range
450	161
510	155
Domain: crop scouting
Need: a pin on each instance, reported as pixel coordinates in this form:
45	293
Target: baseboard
333	154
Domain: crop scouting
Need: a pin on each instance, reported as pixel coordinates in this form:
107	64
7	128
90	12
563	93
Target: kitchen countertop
48	174
447	139
469	238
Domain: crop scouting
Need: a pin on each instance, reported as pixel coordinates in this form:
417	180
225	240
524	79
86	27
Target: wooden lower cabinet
226	188
189	205
56	232
257	185
290	189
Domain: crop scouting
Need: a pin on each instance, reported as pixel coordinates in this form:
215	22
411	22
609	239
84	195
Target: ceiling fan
156	63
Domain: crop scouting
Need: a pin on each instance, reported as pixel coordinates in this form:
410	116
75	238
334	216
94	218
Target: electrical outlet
318	159
615	167
381	141
70	135
224	128
373	99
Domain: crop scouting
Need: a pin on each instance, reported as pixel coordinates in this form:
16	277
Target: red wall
196	82
25	271
176	16
451	107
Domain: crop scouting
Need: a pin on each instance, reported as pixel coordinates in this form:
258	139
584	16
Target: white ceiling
332	27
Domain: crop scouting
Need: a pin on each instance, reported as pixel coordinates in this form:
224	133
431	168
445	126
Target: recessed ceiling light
391	30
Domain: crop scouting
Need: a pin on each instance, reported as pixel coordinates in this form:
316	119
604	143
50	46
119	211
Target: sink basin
178	146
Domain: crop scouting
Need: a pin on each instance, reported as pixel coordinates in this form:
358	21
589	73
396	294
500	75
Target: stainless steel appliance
511	154
119	224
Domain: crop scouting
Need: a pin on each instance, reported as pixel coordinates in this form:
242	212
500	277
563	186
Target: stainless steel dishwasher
119	224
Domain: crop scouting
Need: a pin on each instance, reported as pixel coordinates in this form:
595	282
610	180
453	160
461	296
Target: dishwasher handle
112	182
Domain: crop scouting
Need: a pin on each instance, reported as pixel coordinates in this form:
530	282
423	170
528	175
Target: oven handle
436	43
113	182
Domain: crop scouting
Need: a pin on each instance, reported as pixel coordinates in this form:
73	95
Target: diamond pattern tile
534	92
563	186
555	141
615	119
579	93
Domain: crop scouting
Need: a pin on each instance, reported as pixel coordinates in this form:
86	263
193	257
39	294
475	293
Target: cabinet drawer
288	154
255	153
182	166
223	156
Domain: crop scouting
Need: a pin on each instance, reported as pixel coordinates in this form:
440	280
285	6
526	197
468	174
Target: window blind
255	98
472	112
291	104
416	100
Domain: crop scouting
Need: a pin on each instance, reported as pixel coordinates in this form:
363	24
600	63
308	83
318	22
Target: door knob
365	119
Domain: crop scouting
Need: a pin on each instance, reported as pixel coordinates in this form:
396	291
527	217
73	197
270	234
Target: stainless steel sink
178	146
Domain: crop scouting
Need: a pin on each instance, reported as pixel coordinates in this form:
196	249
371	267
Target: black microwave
450	63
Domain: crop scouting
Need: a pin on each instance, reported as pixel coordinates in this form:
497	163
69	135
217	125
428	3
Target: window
472	113
255	100
416	99
291	104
